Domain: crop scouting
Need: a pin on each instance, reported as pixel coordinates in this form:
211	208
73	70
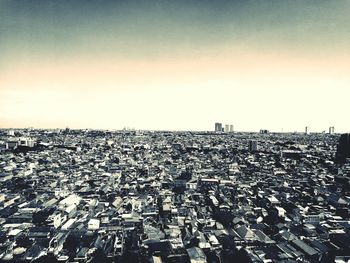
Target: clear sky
175	65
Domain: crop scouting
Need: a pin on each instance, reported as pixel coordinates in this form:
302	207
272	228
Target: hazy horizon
175	65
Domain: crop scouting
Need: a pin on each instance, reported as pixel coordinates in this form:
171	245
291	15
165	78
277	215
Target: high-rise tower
218	127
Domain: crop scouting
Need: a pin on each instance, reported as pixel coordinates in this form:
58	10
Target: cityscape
159	196
174	131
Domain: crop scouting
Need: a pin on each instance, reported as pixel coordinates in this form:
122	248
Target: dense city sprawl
143	196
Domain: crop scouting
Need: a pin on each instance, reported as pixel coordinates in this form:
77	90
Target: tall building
331	130
252	145
218	127
231	128
343	149
11	133
262	131
307	130
227	128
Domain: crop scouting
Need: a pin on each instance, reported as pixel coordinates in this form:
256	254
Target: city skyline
175	66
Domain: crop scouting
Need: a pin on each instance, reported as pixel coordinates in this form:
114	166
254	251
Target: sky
175	65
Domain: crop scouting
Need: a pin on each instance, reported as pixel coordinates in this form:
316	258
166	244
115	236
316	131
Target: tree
40	217
71	243
242	256
224	217
98	256
23	241
46	259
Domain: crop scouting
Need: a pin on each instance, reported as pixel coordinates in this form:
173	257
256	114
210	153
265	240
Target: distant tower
227	128
331	130
307	130
11	133
231	128
252	145
262	131
218	127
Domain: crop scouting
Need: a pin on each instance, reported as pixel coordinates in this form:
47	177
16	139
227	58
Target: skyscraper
331	130
252	145
343	149
231	128
11	133
218	127
262	131
227	128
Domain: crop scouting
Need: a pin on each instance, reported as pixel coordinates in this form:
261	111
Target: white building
93	224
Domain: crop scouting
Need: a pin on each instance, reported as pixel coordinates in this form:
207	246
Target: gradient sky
175	65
